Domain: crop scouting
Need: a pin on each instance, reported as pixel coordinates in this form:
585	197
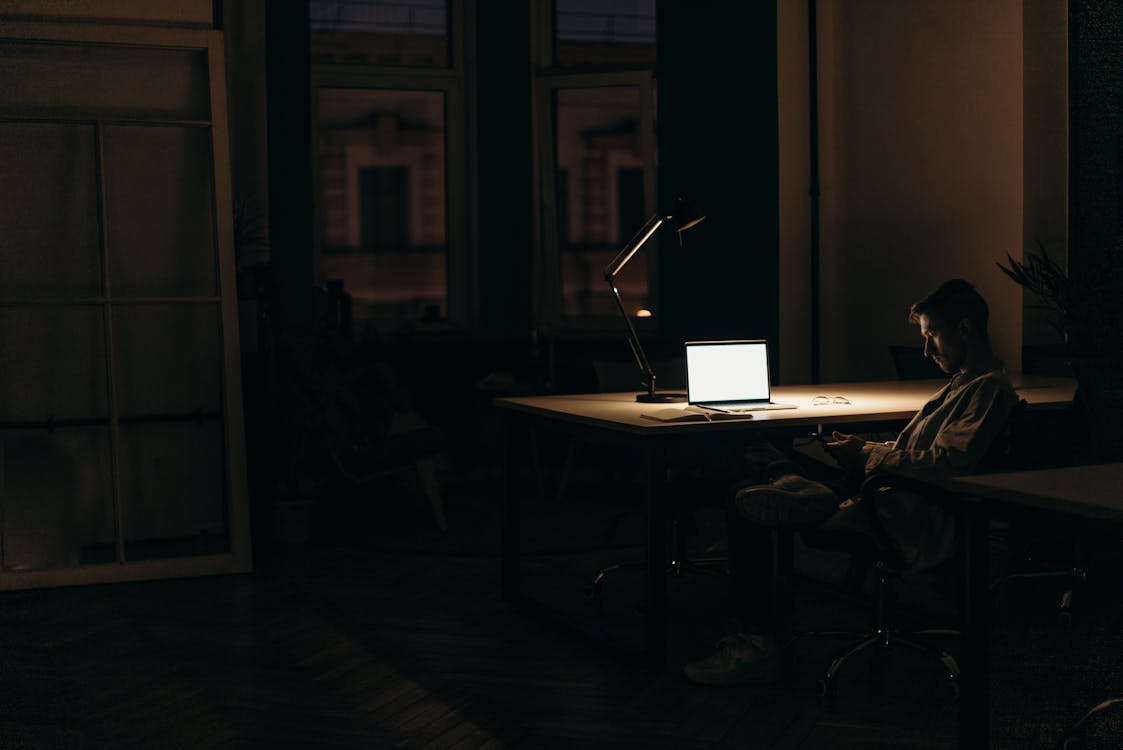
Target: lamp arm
642	236
633	339
633	245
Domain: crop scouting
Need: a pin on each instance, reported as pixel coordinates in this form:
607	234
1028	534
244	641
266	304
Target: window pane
159	208
605	31
60	80
46	175
173	496
53	366
599	197
367	32
55	498
168	359
382	201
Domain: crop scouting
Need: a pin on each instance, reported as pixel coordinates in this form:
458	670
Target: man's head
953	323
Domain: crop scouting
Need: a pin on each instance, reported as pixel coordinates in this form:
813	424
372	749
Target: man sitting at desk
950	435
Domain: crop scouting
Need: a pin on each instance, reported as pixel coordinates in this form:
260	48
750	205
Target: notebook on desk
730	376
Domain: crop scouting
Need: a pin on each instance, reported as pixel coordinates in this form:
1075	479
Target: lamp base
660	398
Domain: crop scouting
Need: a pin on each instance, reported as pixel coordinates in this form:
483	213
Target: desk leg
655	625
974	699
509	526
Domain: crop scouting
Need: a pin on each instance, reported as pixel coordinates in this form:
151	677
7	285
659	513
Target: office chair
877	553
911	364
1034	550
1043	552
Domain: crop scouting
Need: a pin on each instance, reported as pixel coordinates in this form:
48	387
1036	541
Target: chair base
1075	578
674	568
1074	737
883	638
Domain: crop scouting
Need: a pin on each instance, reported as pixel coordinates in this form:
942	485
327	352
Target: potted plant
1086	311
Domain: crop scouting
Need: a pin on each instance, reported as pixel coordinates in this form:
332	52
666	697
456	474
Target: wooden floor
345	646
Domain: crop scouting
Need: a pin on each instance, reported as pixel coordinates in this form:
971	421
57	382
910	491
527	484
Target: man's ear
965	328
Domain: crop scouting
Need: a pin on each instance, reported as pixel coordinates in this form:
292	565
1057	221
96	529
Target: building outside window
389	131
595	102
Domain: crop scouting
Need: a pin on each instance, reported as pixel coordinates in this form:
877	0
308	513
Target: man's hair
953	301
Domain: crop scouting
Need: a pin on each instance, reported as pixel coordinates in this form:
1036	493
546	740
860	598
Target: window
120	412
595	99
409	33
390	160
594	31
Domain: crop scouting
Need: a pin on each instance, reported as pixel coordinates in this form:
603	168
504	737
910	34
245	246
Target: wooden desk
876	403
618	418
1086	493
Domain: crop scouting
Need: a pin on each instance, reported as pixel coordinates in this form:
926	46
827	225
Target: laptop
729	376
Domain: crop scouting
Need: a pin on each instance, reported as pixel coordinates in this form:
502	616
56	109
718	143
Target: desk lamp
683	217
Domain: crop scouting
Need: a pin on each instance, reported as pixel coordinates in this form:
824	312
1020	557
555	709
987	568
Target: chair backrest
624	375
1003	454
1009	451
911	364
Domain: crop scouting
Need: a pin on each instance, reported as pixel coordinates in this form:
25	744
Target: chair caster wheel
1072	742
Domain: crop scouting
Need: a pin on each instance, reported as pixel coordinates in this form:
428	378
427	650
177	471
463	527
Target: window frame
238	558
548	80
450	80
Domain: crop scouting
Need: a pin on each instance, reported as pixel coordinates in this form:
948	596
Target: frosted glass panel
55	498
159	211
168	359
53	364
69	80
173	501
48	218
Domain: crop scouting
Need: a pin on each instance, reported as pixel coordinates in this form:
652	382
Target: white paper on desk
691	414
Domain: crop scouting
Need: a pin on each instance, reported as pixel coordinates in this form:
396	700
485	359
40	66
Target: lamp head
684	216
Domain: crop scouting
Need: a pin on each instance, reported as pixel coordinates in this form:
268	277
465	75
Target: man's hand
846	449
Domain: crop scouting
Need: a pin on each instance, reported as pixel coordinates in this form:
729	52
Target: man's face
944	343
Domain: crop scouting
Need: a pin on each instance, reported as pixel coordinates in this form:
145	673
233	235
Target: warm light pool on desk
829	400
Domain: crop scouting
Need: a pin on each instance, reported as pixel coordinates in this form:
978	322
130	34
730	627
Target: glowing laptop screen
727	371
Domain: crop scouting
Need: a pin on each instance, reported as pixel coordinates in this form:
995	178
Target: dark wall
718	147
1095	132
291	206
505	177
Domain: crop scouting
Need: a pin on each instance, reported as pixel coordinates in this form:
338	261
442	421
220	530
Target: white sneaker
739	659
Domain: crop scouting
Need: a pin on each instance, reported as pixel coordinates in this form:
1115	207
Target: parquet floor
340	647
